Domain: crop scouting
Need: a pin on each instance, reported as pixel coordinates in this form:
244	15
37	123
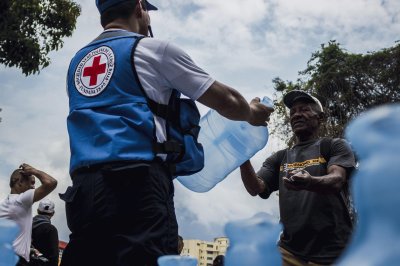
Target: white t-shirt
18	208
161	67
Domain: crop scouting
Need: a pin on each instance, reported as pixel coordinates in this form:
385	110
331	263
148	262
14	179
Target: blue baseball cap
103	5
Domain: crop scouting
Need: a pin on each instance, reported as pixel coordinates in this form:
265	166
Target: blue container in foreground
375	136
8	232
176	260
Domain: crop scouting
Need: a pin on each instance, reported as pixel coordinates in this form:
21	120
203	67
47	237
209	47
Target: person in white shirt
17	206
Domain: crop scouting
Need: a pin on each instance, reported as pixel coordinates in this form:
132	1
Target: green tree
346	83
30	29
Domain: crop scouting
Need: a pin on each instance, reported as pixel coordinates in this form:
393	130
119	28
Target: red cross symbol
94	70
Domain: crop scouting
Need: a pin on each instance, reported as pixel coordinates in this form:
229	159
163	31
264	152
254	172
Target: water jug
374	135
175	260
227	144
8	232
253	241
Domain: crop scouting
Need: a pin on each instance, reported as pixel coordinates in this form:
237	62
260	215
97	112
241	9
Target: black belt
111	166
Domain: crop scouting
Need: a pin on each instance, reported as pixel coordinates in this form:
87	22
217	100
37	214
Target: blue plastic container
375	136
227	144
175	260
8	232
253	241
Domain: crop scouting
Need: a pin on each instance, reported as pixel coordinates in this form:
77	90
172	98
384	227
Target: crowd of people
124	96
17	206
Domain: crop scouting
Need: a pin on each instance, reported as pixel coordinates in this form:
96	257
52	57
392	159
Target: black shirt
315	225
45	238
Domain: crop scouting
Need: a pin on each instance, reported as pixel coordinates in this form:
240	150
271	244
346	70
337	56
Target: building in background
205	251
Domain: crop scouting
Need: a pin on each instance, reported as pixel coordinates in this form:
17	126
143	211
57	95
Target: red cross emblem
94	70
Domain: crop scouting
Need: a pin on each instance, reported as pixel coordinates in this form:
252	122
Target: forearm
47	186
46	180
253	184
227	102
330	183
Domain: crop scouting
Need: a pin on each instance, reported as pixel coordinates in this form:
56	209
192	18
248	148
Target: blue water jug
253	241
227	144
374	136
175	260
8	232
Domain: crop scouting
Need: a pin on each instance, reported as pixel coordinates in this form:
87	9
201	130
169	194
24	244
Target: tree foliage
346	83
29	30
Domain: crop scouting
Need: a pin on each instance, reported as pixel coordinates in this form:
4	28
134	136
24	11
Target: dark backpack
185	154
345	193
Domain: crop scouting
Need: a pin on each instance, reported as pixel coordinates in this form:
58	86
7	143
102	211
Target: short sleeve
183	74
26	198
162	66
342	155
269	172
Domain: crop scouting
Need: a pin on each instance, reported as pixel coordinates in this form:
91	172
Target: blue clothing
109	118
121	202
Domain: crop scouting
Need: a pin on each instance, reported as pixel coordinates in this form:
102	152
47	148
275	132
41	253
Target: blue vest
109	119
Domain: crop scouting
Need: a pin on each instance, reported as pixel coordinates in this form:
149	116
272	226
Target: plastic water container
227	144
175	260
8	232
374	136
253	241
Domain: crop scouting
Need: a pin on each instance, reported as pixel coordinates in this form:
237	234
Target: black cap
296	95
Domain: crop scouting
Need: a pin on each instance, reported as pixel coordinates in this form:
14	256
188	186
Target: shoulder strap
325	146
345	193
281	155
325	150
114	33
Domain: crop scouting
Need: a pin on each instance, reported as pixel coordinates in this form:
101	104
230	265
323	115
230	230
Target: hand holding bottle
260	111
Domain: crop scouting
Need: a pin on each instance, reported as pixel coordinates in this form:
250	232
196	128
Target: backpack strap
325	148
281	155
345	194
115	33
170	113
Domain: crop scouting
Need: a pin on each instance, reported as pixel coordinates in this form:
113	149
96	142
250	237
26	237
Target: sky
244	44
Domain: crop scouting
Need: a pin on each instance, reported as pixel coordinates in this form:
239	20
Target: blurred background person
44	234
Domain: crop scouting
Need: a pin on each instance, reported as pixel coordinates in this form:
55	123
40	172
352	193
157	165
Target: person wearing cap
316	224
18	205
120	206
44	234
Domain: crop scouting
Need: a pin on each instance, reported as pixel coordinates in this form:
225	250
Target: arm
340	165
332	182
230	103
178	71
253	184
48	183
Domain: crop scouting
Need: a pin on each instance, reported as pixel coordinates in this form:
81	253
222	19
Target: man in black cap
124	96
312	181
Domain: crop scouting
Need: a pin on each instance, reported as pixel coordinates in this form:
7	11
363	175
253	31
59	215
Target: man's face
303	118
